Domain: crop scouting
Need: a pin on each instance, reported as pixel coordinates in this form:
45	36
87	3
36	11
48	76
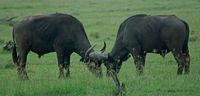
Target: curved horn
88	51
104	47
11	18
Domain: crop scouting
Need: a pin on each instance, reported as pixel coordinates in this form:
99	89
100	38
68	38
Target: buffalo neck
118	53
82	48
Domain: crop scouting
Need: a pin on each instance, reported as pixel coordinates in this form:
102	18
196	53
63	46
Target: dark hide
60	33
142	34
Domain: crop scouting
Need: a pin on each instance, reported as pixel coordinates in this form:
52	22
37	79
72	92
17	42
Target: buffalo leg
67	65
139	60
60	58
124	53
115	78
120	87
21	66
186	57
179	59
119	67
116	69
139	63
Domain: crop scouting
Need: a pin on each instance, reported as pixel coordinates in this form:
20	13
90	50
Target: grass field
101	19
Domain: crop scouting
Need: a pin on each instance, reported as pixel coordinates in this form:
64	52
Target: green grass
101	18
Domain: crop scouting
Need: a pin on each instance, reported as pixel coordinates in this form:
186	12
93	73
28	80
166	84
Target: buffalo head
94	59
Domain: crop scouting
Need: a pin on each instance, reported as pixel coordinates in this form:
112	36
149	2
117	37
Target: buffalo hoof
61	74
22	74
23	77
67	75
187	71
138	74
99	74
179	72
108	75
62	77
121	91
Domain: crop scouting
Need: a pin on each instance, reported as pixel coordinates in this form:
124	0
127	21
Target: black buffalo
60	33
142	34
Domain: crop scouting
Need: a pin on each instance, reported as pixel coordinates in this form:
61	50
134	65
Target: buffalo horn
104	47
88	51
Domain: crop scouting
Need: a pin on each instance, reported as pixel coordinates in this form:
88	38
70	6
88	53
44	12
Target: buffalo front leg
60	58
139	63
120	87
115	68
139	60
67	65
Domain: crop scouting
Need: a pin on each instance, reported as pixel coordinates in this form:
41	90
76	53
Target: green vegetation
101	19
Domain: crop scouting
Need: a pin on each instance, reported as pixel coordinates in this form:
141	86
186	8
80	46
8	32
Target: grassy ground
101	19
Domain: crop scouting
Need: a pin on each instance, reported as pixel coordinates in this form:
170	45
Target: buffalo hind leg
186	57
21	66
179	59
